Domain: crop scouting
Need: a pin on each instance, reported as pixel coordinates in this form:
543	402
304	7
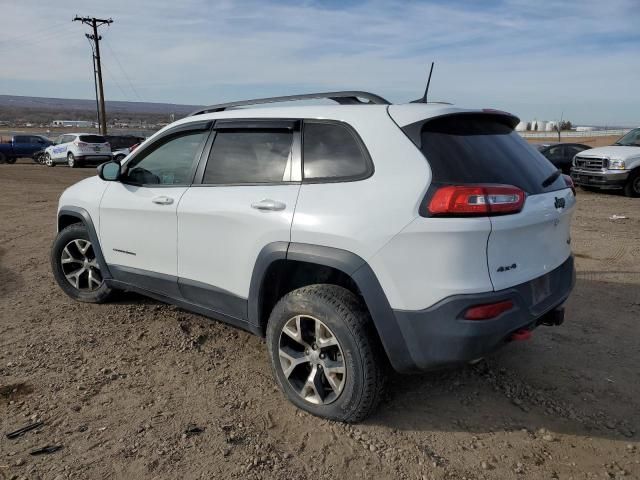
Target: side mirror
109	172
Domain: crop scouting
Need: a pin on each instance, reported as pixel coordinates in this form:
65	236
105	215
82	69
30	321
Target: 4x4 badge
559	203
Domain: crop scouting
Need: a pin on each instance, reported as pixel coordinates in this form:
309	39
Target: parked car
614	167
561	154
121	145
350	236
22	146
76	149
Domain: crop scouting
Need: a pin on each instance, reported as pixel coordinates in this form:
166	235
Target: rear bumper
438	336
93	158
602	179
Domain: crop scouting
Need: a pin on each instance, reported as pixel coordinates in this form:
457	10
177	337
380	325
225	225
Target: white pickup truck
613	167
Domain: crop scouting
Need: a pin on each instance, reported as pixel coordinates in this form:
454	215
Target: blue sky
537	59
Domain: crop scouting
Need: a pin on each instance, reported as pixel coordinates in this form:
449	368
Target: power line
31	35
94	23
122	69
113	78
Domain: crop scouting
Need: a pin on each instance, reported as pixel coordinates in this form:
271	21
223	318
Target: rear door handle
268	204
162	200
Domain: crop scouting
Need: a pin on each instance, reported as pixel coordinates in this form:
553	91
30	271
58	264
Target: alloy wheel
80	266
311	359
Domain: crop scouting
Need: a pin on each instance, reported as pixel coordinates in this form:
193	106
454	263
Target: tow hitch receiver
520	335
553	318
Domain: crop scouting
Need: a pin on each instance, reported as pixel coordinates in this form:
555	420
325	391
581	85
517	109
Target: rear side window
482	148
92	139
331	151
247	156
21	139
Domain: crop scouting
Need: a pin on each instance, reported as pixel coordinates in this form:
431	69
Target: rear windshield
483	148
123	141
92	139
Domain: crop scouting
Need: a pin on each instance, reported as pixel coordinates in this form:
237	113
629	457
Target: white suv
75	149
353	236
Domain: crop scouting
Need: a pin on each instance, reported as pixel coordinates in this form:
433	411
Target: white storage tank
551	126
538	125
521	127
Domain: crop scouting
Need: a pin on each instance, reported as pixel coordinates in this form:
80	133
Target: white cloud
579	57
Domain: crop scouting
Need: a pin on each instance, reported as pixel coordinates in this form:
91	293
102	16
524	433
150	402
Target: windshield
631	139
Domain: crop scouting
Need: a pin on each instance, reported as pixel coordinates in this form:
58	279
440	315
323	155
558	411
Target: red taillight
476	200
490	310
569	183
80	144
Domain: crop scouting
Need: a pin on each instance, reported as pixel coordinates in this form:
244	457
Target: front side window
169	163
249	156
331	151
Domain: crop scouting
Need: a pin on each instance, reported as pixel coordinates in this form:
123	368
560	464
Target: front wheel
10	160
76	268
325	354
48	161
632	187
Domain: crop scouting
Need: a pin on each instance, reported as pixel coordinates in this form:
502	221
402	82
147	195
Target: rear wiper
551	178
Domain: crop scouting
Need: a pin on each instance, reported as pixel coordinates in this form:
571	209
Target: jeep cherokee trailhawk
352	236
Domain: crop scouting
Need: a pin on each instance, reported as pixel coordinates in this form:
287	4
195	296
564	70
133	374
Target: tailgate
533	242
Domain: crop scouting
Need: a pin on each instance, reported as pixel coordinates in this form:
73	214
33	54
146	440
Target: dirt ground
121	386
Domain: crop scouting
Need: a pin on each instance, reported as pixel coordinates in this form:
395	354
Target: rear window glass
249	156
483	149
331	151
118	142
92	139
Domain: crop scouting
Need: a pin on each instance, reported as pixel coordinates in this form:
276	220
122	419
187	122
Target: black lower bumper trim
439	336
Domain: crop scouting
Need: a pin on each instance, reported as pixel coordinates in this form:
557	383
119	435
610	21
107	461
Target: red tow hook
521	335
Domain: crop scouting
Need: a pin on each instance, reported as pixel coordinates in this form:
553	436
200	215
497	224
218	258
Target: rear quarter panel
362	216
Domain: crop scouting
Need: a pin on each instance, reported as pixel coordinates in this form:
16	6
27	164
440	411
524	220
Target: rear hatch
93	145
482	149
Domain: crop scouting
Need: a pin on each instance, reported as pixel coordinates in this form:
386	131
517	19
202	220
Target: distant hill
41	109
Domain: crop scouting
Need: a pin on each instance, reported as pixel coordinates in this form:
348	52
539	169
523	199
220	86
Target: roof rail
343	98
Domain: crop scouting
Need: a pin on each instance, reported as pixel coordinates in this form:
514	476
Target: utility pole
94	23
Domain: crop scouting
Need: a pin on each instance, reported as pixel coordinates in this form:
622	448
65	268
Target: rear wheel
71	160
325	354
75	266
3	158
632	187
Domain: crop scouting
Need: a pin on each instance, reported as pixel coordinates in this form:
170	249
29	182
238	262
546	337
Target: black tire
632	187
48	161
360	352
3	157
71	160
10	160
64	239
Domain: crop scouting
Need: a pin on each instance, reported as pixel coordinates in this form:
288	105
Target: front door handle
268	204
162	200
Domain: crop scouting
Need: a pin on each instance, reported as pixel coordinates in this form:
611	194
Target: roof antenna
426	90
